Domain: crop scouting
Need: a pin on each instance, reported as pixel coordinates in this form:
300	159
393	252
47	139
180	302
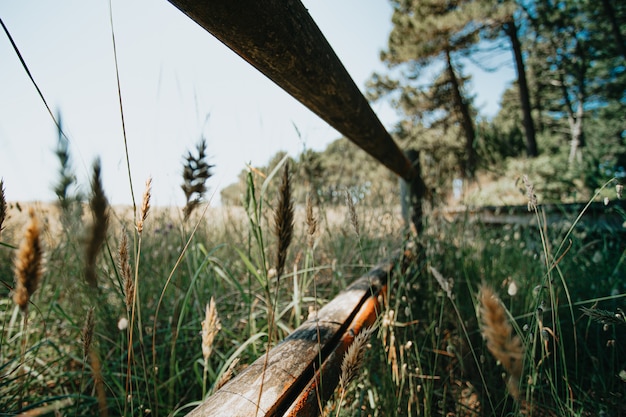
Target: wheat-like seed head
311	222
3	205
87	333
353	358
210	327
530	193
196	172
503	344
125	271
354	219
28	263
145	205
99	210
283	221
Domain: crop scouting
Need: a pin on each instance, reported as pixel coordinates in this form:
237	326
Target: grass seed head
125	271
145	205
28	263
3	205
503	344
311	222
87	333
354	219
99	210
353	358
283	220
530	193
210	327
196	172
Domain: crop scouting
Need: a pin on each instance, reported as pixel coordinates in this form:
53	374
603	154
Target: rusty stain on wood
310	354
280	39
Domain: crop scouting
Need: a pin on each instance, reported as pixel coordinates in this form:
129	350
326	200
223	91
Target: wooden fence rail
280	39
302	371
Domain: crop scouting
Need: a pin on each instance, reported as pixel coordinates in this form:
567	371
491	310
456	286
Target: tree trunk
527	121
466	120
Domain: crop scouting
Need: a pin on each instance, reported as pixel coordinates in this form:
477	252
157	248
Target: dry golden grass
503	344
28	263
210	327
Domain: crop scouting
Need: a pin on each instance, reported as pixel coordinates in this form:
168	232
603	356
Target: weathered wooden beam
280	39
289	384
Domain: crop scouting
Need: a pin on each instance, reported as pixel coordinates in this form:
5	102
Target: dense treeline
562	121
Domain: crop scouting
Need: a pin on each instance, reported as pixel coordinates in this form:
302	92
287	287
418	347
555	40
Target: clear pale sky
178	83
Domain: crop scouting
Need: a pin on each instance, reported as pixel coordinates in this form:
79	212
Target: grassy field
108	321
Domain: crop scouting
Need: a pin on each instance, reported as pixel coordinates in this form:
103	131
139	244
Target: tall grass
433	352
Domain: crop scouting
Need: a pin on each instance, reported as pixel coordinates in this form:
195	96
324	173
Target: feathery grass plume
353	358
505	346
311	222
87	333
354	219
530	193
125	271
196	172
99	211
210	327
283	221
28	263
145	205
3	205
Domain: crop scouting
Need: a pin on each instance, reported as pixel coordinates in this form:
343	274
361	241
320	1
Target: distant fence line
609	216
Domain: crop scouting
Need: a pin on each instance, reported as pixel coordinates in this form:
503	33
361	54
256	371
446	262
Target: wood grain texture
292	377
280	39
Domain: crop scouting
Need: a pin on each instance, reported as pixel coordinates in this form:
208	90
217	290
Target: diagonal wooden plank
294	364
280	39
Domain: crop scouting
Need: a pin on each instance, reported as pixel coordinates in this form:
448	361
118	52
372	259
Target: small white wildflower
512	290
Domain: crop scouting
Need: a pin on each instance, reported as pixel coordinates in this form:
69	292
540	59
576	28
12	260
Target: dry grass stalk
283	221
28	264
210	327
3	206
87	333
503	344
125	271
96	368
227	375
530	193
99	211
354	219
311	222
145	205
353	358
